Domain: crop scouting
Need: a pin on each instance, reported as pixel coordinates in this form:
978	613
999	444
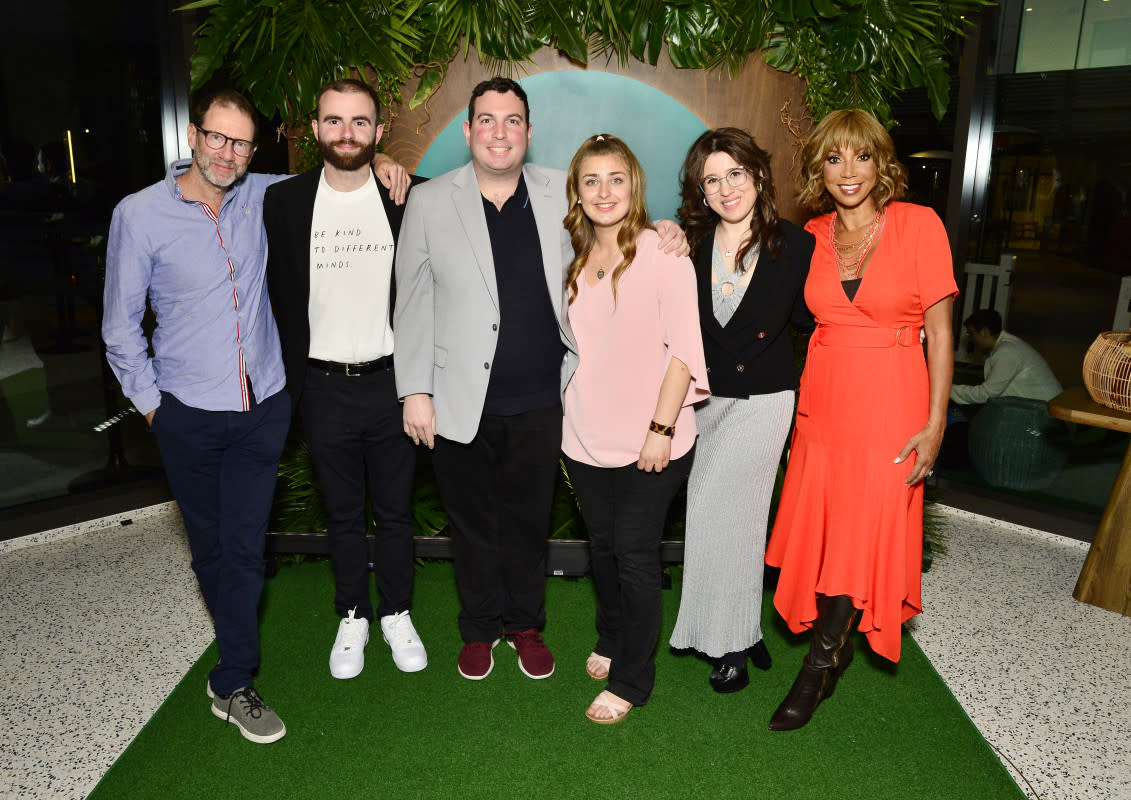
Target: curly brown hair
857	130
699	219
581	229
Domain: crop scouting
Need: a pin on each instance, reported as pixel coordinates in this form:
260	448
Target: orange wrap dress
846	523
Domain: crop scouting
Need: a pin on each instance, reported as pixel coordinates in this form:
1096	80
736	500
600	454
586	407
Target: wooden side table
1105	579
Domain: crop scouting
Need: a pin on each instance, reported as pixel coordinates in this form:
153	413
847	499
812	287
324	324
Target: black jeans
624	510
221	466
355	430
497	490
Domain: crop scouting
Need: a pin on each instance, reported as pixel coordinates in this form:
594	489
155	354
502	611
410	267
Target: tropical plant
851	53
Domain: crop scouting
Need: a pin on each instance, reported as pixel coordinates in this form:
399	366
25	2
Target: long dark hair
699	220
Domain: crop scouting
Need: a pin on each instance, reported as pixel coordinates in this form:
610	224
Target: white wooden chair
987	286
1123	306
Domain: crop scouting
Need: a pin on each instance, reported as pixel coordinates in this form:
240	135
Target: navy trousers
221	466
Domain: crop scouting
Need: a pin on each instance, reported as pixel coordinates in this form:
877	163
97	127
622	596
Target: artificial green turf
888	732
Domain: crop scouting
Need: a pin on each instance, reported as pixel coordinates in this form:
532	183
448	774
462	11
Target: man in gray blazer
481	339
483	349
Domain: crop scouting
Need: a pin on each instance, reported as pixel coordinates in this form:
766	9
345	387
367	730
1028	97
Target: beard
205	163
347	162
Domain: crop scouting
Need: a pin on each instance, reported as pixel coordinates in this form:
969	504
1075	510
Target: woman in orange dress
848	535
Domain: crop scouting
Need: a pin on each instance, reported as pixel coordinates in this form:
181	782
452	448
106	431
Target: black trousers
355	431
624	509
221	466
497	490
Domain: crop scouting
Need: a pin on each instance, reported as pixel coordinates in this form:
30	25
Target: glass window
1058	201
1050	33
84	88
80	127
1074	34
1105	37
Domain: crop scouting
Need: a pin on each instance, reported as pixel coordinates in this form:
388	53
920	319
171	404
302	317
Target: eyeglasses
736	177
216	141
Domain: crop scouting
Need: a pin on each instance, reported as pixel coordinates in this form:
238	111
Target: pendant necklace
728	250
729	281
601	271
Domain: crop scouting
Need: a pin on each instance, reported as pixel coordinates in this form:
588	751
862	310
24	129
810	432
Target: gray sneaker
245	709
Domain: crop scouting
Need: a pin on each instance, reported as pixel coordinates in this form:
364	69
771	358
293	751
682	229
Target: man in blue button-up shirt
213	389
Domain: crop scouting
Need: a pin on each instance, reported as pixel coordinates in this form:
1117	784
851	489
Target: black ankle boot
729	674
829	655
760	655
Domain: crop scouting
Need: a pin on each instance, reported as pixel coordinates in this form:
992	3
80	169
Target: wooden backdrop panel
754	99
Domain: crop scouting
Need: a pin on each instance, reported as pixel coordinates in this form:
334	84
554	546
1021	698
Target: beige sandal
598	667
617	707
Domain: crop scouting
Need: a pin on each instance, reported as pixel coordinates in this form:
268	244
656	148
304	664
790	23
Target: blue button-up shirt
205	279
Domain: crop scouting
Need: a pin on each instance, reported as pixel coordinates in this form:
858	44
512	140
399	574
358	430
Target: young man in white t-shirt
331	238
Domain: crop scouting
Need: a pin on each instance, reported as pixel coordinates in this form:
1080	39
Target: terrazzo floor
101	620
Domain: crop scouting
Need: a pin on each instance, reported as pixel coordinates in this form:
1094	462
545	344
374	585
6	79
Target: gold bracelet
663	430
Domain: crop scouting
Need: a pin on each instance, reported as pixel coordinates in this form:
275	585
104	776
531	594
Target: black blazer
288	215
753	353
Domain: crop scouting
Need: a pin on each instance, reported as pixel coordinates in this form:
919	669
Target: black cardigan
753	353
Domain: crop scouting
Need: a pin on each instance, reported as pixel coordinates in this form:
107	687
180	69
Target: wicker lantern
1107	370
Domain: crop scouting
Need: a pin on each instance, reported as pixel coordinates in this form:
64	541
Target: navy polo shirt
525	374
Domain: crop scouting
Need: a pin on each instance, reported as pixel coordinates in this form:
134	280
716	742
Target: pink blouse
623	354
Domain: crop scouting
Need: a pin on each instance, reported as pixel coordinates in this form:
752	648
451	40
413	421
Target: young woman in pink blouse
629	427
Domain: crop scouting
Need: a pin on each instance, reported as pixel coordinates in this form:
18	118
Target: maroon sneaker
476	661
534	658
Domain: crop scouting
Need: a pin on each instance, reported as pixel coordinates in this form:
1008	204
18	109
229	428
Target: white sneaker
347	658
408	651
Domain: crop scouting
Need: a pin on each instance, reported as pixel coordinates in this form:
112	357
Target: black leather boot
829	655
760	655
729	674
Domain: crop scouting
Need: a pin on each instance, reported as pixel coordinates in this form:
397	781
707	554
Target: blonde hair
857	130
580	228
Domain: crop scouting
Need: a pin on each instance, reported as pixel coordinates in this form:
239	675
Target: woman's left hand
926	444
656	452
672	238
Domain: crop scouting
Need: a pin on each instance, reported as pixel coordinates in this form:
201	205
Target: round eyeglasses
736	177
216	141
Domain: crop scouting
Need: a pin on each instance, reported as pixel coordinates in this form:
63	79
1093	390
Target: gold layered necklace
850	256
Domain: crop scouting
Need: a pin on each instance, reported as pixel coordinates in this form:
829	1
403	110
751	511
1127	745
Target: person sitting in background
1012	368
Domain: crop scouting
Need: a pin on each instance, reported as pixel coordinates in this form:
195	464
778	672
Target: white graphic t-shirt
351	270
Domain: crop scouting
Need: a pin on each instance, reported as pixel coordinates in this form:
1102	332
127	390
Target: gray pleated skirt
728	502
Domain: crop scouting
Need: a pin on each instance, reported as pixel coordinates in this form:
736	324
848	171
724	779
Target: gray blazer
447	312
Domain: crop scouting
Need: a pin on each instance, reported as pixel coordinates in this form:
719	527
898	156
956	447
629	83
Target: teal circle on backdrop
569	106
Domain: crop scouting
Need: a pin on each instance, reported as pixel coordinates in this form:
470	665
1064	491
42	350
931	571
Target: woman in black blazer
750	268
